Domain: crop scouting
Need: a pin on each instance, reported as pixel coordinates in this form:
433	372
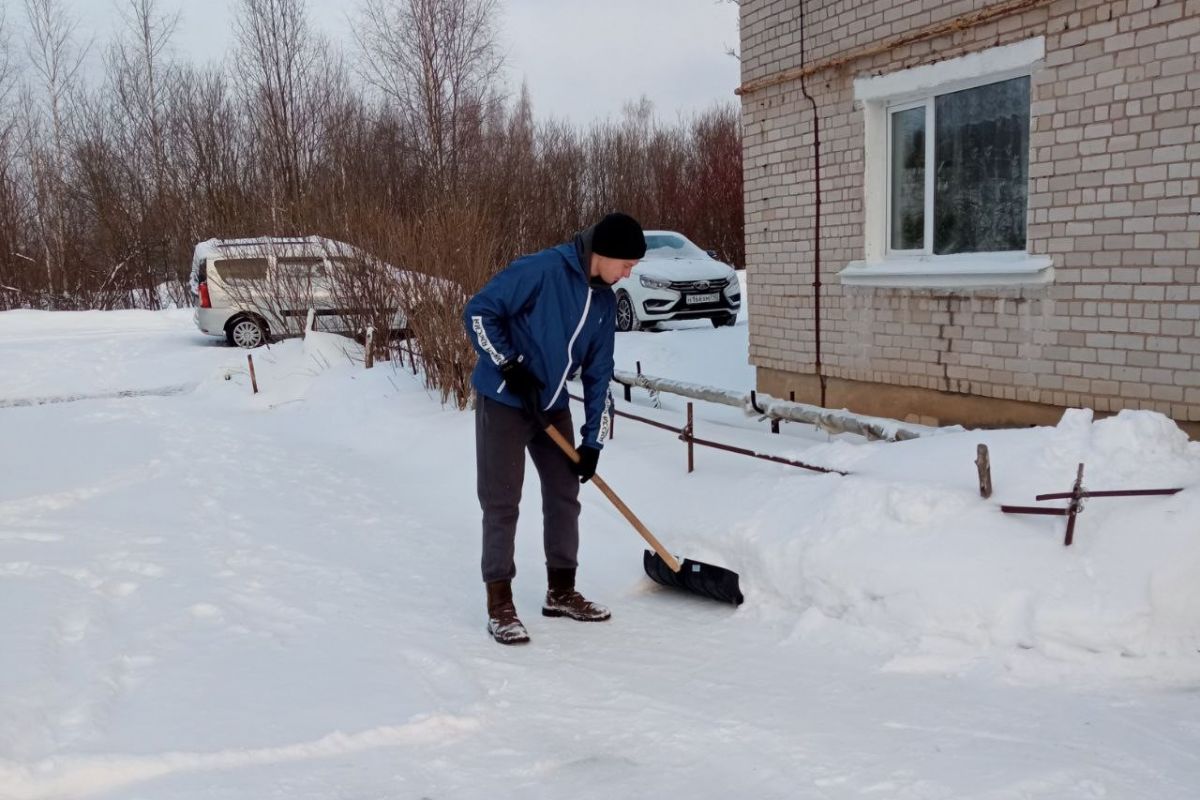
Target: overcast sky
582	59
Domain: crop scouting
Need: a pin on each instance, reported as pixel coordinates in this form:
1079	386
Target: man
538	321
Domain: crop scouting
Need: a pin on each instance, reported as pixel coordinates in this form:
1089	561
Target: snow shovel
716	583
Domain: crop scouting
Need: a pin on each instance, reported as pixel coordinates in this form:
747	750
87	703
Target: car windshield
661	246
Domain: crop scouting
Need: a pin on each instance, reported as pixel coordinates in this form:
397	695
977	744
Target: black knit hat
619	236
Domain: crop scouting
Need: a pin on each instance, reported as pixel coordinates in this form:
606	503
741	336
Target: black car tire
724	320
246	332
626	315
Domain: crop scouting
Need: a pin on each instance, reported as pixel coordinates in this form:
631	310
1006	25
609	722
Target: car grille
715	285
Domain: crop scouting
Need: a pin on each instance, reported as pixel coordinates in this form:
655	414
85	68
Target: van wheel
246	332
626	316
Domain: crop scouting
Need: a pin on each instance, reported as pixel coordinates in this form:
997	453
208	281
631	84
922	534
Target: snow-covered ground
211	594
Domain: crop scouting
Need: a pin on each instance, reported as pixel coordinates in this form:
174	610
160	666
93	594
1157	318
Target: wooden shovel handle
567	448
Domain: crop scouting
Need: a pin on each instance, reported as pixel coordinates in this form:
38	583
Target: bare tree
460	265
7	77
731	51
55	60
437	61
10	262
507	177
714	217
211	139
290	77
125	158
142	81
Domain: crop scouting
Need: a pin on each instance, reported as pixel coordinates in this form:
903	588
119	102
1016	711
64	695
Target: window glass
982	168
301	267
233	270
668	245
908	179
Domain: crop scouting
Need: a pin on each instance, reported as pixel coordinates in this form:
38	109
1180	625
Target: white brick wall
1114	199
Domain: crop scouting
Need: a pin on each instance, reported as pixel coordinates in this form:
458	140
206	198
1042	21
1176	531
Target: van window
234	270
301	267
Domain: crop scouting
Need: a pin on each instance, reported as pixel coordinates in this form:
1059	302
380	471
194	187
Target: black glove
522	382
586	468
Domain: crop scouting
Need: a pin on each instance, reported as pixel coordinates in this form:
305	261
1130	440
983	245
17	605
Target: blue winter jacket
543	309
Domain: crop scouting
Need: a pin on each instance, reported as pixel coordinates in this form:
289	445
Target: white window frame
880	97
927	233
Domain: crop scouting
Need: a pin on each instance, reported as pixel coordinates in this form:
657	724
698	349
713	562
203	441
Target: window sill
971	271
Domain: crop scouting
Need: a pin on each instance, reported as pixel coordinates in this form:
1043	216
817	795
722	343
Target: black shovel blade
715	583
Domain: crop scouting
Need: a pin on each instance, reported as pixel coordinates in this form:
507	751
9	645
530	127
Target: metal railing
686	434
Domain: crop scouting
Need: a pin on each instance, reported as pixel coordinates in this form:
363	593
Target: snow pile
906	546
287	372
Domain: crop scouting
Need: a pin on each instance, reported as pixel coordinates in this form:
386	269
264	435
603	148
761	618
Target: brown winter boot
563	601
503	623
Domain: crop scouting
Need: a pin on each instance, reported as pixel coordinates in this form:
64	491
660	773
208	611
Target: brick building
998	207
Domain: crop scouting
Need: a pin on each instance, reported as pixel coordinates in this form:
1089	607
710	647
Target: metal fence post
691	447
253	380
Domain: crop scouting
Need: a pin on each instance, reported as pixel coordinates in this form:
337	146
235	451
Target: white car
677	280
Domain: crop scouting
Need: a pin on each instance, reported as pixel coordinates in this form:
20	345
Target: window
239	270
301	268
302	274
980	156
671	245
908	206
947	154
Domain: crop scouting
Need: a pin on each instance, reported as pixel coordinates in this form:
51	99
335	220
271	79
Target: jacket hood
583	252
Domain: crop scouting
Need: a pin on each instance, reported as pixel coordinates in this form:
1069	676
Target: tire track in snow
20	510
122	394
66	777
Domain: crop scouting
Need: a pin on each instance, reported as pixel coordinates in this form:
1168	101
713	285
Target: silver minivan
250	291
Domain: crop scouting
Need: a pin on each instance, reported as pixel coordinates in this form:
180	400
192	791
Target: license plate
697	299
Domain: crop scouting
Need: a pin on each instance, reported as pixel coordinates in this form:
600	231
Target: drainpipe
816	284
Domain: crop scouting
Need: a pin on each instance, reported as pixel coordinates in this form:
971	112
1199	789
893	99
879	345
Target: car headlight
734	287
654	283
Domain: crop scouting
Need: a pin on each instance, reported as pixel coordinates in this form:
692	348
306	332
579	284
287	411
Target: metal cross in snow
1075	506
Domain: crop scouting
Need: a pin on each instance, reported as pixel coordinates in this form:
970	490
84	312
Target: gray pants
502	435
